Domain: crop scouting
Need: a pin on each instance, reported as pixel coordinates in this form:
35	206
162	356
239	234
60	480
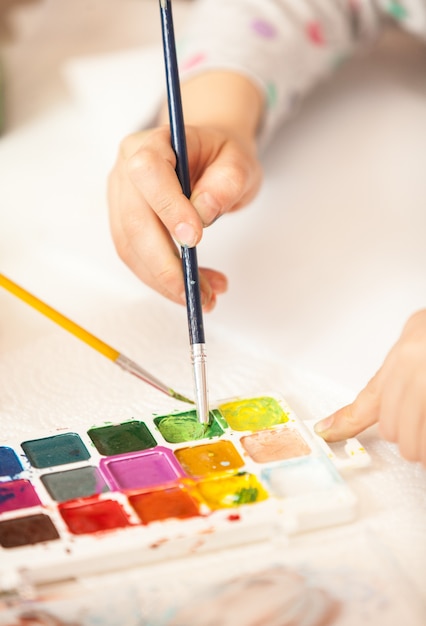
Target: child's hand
148	211
395	397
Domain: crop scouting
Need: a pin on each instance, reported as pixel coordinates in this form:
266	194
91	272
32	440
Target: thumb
353	418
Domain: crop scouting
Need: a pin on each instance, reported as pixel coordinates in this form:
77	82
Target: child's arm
245	66
395	397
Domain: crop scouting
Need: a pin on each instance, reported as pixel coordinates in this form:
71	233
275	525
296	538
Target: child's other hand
149	212
395	397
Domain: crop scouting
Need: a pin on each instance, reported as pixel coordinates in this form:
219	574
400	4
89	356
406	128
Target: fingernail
323	425
186	235
207	206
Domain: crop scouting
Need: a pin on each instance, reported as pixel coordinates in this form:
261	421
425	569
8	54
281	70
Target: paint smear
17	494
254	414
35	616
161	504
120	438
56	450
139	470
275	444
209	458
231	491
274	596
186	427
76	483
85	517
24	531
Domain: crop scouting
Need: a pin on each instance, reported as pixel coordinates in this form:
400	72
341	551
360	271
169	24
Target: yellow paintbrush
95	343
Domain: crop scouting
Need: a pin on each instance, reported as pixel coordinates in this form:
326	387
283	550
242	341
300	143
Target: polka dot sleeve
287	46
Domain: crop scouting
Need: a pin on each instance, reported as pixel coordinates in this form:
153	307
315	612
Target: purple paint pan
137	470
17	494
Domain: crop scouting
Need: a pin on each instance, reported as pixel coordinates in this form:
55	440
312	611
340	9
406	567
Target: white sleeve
287	46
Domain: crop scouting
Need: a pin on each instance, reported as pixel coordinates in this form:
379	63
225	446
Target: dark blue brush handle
178	140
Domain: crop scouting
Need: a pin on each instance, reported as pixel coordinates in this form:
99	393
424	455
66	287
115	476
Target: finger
352	419
212	284
155	161
404	393
409	429
412	415
218	281
154	258
229	181
393	398
423	440
396	380
144	244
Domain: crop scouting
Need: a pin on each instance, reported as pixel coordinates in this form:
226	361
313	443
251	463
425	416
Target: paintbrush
189	255
113	355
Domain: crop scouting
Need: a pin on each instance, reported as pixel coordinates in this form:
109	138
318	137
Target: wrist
224	100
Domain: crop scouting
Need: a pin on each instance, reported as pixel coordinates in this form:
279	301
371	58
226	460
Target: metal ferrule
133	368
199	360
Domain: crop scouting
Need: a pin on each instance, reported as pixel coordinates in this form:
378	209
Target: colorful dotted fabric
287	46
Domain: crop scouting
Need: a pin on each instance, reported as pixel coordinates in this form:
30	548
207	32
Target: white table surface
325	266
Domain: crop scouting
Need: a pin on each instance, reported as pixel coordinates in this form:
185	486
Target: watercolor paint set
118	495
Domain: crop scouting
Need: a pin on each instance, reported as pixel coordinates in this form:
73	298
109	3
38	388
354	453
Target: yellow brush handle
60	319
